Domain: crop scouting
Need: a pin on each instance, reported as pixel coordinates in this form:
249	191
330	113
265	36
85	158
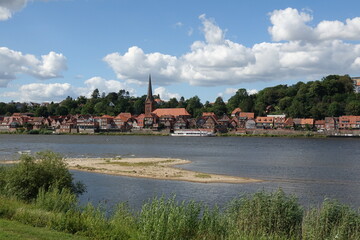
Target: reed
257	216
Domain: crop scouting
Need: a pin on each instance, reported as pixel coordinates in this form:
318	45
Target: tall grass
258	216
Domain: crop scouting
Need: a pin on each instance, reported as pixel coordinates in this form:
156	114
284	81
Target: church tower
149	102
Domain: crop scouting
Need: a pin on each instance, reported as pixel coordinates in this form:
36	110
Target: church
170	118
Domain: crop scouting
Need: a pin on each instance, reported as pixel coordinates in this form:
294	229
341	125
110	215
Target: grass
261	215
138	164
202	175
12	230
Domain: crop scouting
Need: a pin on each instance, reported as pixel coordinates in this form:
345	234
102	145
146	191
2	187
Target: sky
51	49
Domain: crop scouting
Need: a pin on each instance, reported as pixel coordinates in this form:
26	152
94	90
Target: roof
247	114
264	119
236	110
171	111
304	121
350	119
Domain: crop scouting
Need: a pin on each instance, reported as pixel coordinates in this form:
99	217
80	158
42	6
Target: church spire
149	94
149	102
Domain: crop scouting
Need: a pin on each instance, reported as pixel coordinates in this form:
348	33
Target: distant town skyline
57	48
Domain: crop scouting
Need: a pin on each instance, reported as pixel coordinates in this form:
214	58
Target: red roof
264	119
236	110
171	111
247	114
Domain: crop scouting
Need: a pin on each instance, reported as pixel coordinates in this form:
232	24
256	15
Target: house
319	124
349	122
289	123
224	121
236	112
331	123
105	122
250	123
123	121
279	120
304	123
180	123
356	84
264	122
175	112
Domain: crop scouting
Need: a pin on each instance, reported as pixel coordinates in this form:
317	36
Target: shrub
46	169
332	220
56	200
266	214
167	219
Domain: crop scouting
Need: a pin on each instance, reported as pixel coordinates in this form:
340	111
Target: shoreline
151	168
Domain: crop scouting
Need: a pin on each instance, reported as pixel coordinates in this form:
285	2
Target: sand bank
155	168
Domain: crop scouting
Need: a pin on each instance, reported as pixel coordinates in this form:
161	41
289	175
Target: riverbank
154	168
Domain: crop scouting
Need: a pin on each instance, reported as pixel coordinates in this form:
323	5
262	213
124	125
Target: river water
312	169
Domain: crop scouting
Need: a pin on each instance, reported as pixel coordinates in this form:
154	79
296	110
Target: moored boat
193	133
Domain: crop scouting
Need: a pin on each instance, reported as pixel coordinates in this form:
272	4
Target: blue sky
57	48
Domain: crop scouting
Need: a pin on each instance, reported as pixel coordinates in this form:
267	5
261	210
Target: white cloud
304	52
291	25
41	92
252	91
178	24
8	7
230	91
103	85
165	94
13	63
45	92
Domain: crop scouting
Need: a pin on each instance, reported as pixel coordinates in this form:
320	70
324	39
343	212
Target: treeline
331	96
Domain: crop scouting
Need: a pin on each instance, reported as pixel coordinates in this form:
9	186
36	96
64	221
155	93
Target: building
349	122
356	84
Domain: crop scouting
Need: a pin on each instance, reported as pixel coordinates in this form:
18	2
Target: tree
194	106
95	94
353	108
32	173
219	107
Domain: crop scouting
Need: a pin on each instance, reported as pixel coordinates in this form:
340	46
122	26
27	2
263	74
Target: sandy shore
155	168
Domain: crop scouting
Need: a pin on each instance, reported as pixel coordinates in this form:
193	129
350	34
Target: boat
25	152
193	133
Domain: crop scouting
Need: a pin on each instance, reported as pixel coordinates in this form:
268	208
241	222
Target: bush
167	219
332	220
44	170
266	214
56	200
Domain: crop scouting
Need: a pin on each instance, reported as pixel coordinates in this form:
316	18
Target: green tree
46	169
95	94
353	108
219	107
194	106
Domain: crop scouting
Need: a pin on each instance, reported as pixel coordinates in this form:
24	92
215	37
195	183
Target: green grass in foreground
12	230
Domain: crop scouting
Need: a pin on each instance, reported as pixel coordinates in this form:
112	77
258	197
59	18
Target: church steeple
149	94
149	102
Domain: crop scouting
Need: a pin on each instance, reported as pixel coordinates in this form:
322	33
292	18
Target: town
168	120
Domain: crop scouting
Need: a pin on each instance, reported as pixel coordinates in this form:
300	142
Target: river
310	168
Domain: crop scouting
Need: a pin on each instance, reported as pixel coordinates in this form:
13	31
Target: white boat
26	152
192	133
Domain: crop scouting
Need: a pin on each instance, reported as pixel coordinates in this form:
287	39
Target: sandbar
154	168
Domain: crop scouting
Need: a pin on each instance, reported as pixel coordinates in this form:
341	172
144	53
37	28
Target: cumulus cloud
8	7
103	85
13	63
44	92
299	50
41	92
291	25
165	94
